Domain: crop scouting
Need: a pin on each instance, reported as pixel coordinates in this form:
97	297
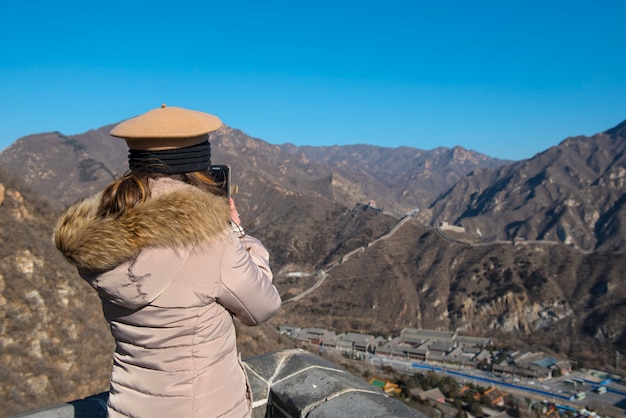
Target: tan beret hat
166	128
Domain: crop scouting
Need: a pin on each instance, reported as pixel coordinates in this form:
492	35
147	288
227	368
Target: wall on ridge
290	383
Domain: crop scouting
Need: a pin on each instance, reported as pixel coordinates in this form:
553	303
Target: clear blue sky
506	78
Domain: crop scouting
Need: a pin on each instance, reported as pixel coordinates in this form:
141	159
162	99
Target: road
322	274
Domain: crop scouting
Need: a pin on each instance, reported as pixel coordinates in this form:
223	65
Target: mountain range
536	258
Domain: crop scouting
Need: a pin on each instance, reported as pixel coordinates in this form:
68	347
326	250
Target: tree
475	409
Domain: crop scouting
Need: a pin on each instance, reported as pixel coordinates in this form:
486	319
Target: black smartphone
221	175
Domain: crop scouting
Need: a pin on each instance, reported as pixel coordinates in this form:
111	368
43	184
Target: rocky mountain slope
541	295
61	168
573	193
312	209
282	192
53	342
570	193
411	178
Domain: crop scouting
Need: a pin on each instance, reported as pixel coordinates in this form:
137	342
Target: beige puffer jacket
170	273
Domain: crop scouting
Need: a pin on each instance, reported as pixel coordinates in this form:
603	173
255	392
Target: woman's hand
236	220
234	215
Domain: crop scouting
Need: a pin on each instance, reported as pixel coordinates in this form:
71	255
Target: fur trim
181	218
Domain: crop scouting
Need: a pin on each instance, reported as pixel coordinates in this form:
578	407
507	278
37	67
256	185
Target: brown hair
133	188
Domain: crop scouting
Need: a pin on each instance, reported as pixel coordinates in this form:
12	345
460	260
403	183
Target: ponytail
134	188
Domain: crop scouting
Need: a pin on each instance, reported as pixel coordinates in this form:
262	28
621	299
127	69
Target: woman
165	252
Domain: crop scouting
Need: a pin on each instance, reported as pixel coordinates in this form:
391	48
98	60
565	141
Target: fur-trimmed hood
176	216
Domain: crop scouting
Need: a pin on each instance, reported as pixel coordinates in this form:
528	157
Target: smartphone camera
221	175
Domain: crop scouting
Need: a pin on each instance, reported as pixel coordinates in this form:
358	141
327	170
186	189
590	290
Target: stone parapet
290	383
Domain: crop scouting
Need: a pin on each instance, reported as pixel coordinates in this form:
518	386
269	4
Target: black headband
172	161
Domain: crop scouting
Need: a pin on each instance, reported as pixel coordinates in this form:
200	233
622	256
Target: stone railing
291	383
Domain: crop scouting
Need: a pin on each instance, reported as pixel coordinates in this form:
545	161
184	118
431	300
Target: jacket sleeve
246	287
